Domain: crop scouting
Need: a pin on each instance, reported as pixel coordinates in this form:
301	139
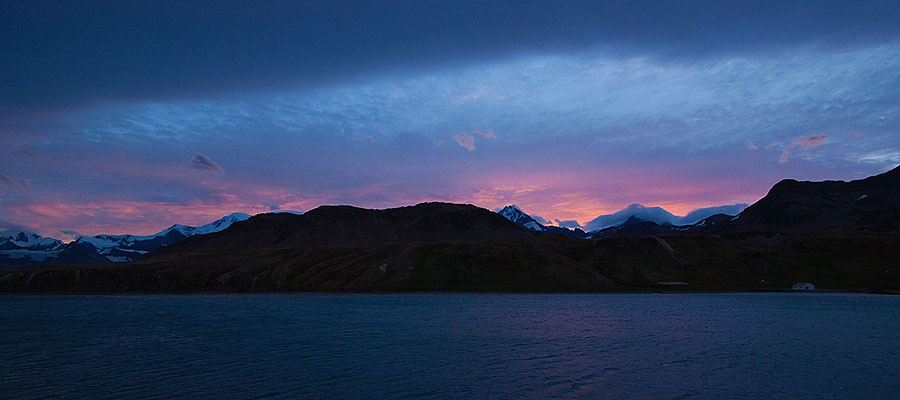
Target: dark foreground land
735	262
837	235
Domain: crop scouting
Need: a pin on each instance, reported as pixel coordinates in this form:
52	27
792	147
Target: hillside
346	225
871	204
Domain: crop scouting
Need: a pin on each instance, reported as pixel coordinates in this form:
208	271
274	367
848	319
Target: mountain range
635	219
515	214
838	235
869	204
21	248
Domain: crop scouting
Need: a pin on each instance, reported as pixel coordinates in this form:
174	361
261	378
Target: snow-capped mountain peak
120	248
658	215
27	240
513	213
183	231
638	211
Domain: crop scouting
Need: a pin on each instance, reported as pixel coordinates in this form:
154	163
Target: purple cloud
485	134
202	162
809	142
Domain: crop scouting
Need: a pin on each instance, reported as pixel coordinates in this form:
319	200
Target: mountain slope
346	225
701	214
870	204
637	227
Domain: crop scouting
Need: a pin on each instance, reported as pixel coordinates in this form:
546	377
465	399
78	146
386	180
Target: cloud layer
575	115
162	52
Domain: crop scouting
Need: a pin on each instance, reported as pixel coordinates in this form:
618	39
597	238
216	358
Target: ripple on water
445	346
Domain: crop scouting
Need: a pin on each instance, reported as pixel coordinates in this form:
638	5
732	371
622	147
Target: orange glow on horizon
559	195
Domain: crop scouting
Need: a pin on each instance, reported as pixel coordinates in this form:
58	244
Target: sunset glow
569	117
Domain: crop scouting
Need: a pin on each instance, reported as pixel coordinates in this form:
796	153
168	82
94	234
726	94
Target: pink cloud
752	146
121	217
484	134
810	142
465	141
783	158
143	216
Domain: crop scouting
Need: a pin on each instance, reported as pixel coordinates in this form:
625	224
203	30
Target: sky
129	117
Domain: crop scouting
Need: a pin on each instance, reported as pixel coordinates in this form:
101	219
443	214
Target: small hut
804	286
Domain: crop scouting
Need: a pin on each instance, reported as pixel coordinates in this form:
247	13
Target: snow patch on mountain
286	212
533	226
217	225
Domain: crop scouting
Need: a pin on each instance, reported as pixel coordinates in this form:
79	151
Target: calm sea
451	346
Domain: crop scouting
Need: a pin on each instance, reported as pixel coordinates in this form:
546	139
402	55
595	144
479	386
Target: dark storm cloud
12	182
63	54
202	162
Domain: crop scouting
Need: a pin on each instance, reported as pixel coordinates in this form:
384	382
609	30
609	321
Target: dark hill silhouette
346	225
871	204
637	227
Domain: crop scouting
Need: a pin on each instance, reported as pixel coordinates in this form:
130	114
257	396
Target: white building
804	286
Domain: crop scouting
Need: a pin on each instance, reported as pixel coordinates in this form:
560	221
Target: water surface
449	346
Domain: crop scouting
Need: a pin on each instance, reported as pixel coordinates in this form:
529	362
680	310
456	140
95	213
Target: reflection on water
451	346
